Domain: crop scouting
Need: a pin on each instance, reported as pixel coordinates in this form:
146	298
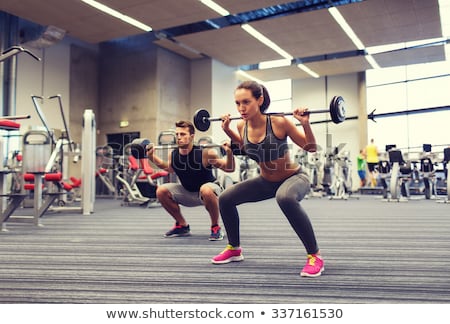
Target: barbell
202	119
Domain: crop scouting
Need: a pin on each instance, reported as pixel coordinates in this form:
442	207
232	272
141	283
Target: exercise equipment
202	119
14	50
12	199
427	173
104	174
139	180
341	186
446	166
37	150
384	171
167	137
63	148
401	175
312	163
248	168
88	143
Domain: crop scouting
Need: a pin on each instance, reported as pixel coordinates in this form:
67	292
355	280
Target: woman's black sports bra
269	149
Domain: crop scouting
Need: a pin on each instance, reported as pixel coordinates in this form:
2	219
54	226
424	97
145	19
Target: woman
264	139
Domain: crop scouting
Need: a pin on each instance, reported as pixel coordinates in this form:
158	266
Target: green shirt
361	162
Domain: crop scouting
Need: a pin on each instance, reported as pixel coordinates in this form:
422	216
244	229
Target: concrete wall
84	87
48	77
127	87
147	86
174	95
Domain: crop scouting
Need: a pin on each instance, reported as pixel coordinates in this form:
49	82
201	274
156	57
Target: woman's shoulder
280	121
240	124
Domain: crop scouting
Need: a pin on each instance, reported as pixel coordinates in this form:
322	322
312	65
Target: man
197	185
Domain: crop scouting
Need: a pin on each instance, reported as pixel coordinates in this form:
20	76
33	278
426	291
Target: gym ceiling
304	29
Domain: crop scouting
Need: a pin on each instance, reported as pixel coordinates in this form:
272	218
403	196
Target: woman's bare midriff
279	169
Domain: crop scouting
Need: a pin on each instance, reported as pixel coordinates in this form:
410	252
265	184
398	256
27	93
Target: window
280	95
408	88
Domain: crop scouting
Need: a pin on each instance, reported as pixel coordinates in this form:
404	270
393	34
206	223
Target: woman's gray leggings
288	193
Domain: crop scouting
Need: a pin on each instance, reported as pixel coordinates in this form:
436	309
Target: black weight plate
201	120
337	109
138	146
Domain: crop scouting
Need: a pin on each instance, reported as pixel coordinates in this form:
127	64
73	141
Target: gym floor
375	252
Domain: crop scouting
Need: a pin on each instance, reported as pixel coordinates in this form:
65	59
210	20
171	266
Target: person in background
362	166
198	186
264	139
372	158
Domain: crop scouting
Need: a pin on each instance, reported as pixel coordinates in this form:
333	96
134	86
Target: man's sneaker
216	233
178	230
314	266
230	254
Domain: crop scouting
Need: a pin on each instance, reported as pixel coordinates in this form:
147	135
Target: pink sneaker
230	254
314	266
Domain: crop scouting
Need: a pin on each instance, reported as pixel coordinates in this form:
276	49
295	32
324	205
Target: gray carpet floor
375	252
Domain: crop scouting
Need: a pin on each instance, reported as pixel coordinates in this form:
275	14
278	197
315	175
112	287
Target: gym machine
139	180
446	167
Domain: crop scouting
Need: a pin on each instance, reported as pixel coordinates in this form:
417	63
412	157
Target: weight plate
337	109
201	120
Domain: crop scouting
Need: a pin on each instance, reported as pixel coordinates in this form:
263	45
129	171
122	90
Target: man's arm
227	164
160	163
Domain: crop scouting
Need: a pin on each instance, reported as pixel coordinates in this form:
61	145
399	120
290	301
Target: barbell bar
202	119
139	146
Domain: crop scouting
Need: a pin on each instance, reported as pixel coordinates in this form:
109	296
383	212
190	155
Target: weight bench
13	202
41	200
14	199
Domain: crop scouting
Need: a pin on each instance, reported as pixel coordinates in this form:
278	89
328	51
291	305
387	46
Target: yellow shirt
372	153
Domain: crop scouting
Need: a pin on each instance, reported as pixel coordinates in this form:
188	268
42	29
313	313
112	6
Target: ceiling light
372	62
308	70
346	27
214	6
248	76
274	64
405	45
263	39
118	15
351	34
